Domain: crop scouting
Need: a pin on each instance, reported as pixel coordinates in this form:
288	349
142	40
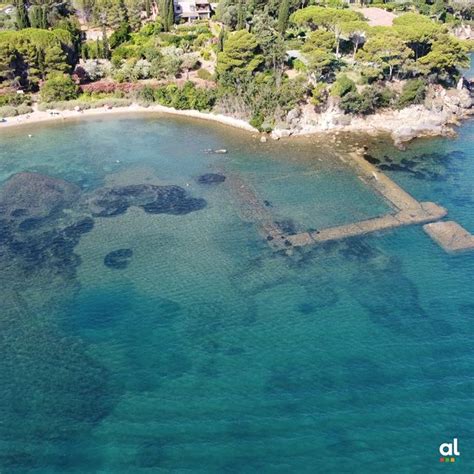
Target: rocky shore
441	110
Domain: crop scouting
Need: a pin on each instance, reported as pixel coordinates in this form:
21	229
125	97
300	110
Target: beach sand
38	116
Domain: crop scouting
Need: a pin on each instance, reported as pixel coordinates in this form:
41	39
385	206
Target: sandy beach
38	116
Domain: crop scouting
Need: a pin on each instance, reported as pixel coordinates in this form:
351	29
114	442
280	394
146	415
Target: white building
190	10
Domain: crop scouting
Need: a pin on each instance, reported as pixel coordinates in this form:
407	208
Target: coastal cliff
442	109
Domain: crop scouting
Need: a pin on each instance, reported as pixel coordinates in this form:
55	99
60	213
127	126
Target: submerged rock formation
118	259
34	195
35	234
108	202
211	178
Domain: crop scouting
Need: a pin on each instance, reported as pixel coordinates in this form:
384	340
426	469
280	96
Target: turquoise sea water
212	353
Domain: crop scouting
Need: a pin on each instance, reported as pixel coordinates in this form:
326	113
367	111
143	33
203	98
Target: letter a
449	447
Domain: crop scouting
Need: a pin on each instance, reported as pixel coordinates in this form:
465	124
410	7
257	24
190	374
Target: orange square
453	459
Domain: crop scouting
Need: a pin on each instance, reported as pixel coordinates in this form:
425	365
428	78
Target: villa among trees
252	59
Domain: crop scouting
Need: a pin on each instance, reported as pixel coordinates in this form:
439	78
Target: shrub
413	92
120	36
14	99
319	94
58	87
367	102
146	95
299	66
8	111
343	86
370	75
257	121
204	74
23	109
186	97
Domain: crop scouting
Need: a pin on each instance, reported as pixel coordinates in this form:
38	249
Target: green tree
331	19
343	86
320	62
105	42
8	58
54	61
37	16
134	12
36	52
240	55
220	40
446	57
166	8
387	52
355	32
417	31
58	87
320	39
120	35
270	41
283	16
413	92
22	20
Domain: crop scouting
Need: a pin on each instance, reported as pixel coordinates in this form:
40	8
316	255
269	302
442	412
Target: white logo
449	449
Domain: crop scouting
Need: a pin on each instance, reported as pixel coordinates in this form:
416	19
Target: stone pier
406	211
253	209
450	236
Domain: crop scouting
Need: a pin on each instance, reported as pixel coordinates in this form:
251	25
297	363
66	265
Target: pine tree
134	11
283	16
117	14
8	58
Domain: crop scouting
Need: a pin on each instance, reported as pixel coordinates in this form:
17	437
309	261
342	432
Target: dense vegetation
255	59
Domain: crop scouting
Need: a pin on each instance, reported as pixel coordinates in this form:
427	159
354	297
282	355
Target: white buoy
29	135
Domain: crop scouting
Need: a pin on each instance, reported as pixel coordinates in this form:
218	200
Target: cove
206	350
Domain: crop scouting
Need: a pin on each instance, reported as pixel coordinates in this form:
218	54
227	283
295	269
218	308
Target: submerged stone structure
450	236
406	211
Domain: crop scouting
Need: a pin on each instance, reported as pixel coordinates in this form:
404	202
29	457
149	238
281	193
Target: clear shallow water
211	353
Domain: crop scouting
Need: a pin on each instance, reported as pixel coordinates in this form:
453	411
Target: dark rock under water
211	178
35	195
118	259
113	201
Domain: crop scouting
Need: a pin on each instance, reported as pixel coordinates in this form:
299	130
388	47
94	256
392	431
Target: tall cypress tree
220	41
170	14
241	16
22	20
105	42
283	16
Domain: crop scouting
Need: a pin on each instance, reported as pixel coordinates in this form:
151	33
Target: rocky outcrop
109	202
442	109
33	195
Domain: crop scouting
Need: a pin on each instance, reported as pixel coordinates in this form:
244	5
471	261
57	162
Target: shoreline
38	117
402	126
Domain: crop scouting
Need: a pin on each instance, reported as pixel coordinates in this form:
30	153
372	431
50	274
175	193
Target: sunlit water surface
210	352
